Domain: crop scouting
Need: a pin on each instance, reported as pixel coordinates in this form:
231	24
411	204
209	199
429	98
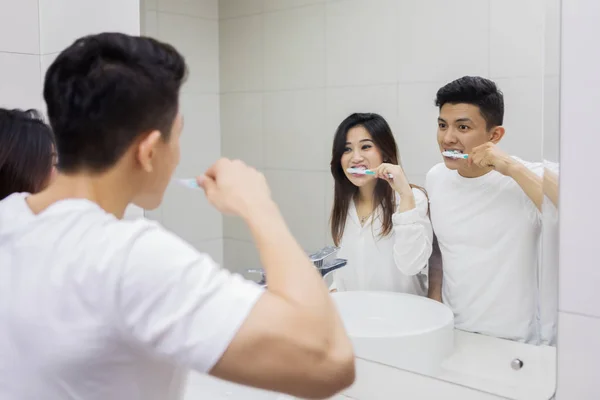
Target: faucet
324	260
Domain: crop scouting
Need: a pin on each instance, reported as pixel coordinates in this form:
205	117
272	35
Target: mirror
291	73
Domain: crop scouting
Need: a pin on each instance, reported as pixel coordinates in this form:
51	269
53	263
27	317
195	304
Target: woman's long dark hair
26	152
345	191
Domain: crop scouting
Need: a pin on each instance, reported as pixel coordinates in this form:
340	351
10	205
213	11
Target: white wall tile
417	179
19	26
151	4
238	8
45	61
552	37
299	196
271	5
236	228
242	127
240	256
63	21
343	101
200	139
523	117
20	80
579	102
357	55
294	130
551	134
441	40
198	41
149	25
578	345
328	195
516	38
193	8
241	54
578	360
155	215
416	135
294	54
188	214
214	248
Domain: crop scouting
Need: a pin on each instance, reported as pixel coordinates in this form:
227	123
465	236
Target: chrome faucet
324	260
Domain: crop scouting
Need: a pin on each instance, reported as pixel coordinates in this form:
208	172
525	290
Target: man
95	307
485	214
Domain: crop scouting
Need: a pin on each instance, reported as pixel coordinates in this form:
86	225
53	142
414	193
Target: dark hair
345	191
476	91
26	152
106	90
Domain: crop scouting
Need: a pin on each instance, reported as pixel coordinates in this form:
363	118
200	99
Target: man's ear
146	150
496	134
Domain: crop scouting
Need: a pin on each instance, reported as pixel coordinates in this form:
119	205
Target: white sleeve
413	236
177	303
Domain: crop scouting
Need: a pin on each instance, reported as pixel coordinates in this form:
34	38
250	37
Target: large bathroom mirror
273	81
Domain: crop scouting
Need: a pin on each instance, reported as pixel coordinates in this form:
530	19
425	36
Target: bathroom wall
192	27
292	70
33	32
579	301
20	54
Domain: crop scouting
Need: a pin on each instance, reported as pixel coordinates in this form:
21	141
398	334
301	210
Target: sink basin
397	329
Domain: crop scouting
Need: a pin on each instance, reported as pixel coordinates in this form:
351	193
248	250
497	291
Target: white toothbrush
189	183
455	154
359	171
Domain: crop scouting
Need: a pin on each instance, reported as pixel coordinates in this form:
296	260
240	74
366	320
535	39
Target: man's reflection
485	212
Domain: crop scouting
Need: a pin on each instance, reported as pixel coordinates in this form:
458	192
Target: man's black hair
476	91
104	91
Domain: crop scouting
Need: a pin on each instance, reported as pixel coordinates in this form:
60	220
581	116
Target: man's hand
489	155
232	187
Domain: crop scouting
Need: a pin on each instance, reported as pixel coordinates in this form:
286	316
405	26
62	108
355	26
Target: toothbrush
364	172
455	154
189	183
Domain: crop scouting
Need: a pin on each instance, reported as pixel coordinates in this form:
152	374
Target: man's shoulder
434	173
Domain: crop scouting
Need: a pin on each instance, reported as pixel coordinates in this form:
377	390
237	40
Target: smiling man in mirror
485	211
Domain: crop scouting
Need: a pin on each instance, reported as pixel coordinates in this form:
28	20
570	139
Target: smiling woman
380	220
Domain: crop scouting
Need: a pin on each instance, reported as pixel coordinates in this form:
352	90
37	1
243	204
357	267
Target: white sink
401	330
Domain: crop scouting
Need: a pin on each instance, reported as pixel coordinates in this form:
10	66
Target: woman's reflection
379	222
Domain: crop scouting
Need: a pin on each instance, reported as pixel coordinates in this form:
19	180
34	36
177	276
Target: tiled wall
579	303
192	27
20	67
33	32
292	70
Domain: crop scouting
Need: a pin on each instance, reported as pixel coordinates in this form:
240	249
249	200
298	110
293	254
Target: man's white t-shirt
92	307
488	231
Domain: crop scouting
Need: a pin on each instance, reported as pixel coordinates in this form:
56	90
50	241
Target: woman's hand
398	182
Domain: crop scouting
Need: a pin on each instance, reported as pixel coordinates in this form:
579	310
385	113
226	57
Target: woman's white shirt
396	262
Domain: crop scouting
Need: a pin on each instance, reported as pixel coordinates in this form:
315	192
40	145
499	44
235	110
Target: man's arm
528	181
551	186
436	272
489	155
293	340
